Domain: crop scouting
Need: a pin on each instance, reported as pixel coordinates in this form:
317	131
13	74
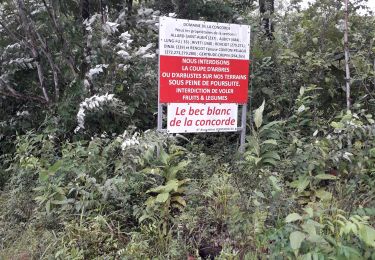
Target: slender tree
346	47
266	9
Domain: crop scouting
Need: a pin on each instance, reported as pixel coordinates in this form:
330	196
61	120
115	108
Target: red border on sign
203	80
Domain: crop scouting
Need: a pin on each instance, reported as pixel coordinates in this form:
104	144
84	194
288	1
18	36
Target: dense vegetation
79	175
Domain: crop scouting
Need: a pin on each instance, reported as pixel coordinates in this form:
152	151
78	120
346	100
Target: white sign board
189	38
203	74
197	117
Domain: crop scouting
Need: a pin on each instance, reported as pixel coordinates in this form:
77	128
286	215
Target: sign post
203	76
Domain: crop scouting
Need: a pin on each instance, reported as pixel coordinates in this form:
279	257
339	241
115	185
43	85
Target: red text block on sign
203	80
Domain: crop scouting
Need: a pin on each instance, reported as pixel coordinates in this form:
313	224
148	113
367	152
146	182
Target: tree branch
64	44
26	27
15	94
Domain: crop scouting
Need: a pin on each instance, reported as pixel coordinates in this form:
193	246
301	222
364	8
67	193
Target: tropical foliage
84	175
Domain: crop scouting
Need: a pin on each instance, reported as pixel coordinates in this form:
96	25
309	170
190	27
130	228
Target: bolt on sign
203	74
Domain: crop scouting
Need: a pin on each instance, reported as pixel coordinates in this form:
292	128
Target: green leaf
48	206
175	169
270	141
40	199
255	159
301	91
171	185
323	195
372	152
337	125
309	228
294	54
43	175
182	182
307	256
165	228
258	115
347	117
275	183
55	167
271	154
168	187
296	238
59	202
178	206
151	171
60	190
150	201
293	217
309	211
162	197
269	161
164	157
367	235
301	183
259	194
314	238
149	154
349	227
269	125
301	109
325	177
179	200
158	189
143	217
267	91
181	190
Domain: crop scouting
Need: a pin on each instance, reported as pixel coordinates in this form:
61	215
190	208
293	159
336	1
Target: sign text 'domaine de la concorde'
206	63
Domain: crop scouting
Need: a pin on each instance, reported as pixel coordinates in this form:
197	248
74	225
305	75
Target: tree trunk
85	9
266	9
346	47
26	25
129	5
86	61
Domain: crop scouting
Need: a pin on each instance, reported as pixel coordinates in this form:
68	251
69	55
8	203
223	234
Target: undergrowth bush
141	194
73	187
